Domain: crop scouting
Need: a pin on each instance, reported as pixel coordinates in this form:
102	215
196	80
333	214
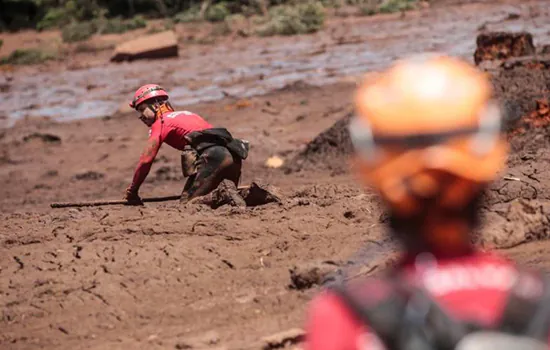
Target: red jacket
473	288
171	128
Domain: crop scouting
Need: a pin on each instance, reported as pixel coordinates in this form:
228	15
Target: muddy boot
227	193
259	193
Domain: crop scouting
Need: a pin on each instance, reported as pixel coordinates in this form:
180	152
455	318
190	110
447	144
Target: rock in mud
308	275
161	45
297	86
283	339
521	221
205	341
541	62
48	138
259	193
503	45
89	175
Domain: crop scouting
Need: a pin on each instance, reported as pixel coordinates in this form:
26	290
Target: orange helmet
423	121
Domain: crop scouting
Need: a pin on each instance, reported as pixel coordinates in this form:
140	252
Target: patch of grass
217	12
369	8
167	25
191	15
119	26
391	6
312	16
54	18
372	7
75	32
290	20
81	31
27	56
236	19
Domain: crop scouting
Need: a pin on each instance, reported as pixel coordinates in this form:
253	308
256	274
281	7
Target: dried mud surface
166	276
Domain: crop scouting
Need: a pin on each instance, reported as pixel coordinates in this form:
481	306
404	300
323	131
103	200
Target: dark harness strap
204	139
407	317
527	310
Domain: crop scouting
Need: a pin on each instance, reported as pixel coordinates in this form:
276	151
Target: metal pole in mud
120	201
111	202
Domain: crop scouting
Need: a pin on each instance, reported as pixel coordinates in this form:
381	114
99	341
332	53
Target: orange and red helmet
147	92
423	117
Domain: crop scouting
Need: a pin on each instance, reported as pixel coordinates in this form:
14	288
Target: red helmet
147	92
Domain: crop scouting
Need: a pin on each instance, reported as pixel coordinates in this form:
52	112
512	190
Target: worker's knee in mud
189	161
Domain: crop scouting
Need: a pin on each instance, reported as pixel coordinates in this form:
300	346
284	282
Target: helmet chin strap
162	108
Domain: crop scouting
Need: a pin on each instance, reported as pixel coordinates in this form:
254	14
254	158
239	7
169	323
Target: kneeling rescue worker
428	138
209	155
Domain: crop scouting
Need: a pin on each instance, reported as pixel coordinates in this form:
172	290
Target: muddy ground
165	276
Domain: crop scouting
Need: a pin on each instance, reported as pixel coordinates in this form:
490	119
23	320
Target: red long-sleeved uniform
171	128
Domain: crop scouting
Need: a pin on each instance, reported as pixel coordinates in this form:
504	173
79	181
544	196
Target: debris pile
325	151
503	45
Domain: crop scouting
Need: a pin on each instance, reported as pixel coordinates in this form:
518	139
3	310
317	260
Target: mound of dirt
518	85
503	45
521	85
327	151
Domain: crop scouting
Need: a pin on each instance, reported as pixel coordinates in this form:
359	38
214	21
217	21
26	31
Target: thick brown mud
166	276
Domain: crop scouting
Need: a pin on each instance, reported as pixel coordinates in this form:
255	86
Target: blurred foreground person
428	139
209	155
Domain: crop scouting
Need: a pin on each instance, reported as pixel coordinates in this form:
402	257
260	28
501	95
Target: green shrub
84	10
112	26
391	6
368	9
54	18
119	26
27	56
191	15
312	16
1	43
217	12
78	32
136	23
289	20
